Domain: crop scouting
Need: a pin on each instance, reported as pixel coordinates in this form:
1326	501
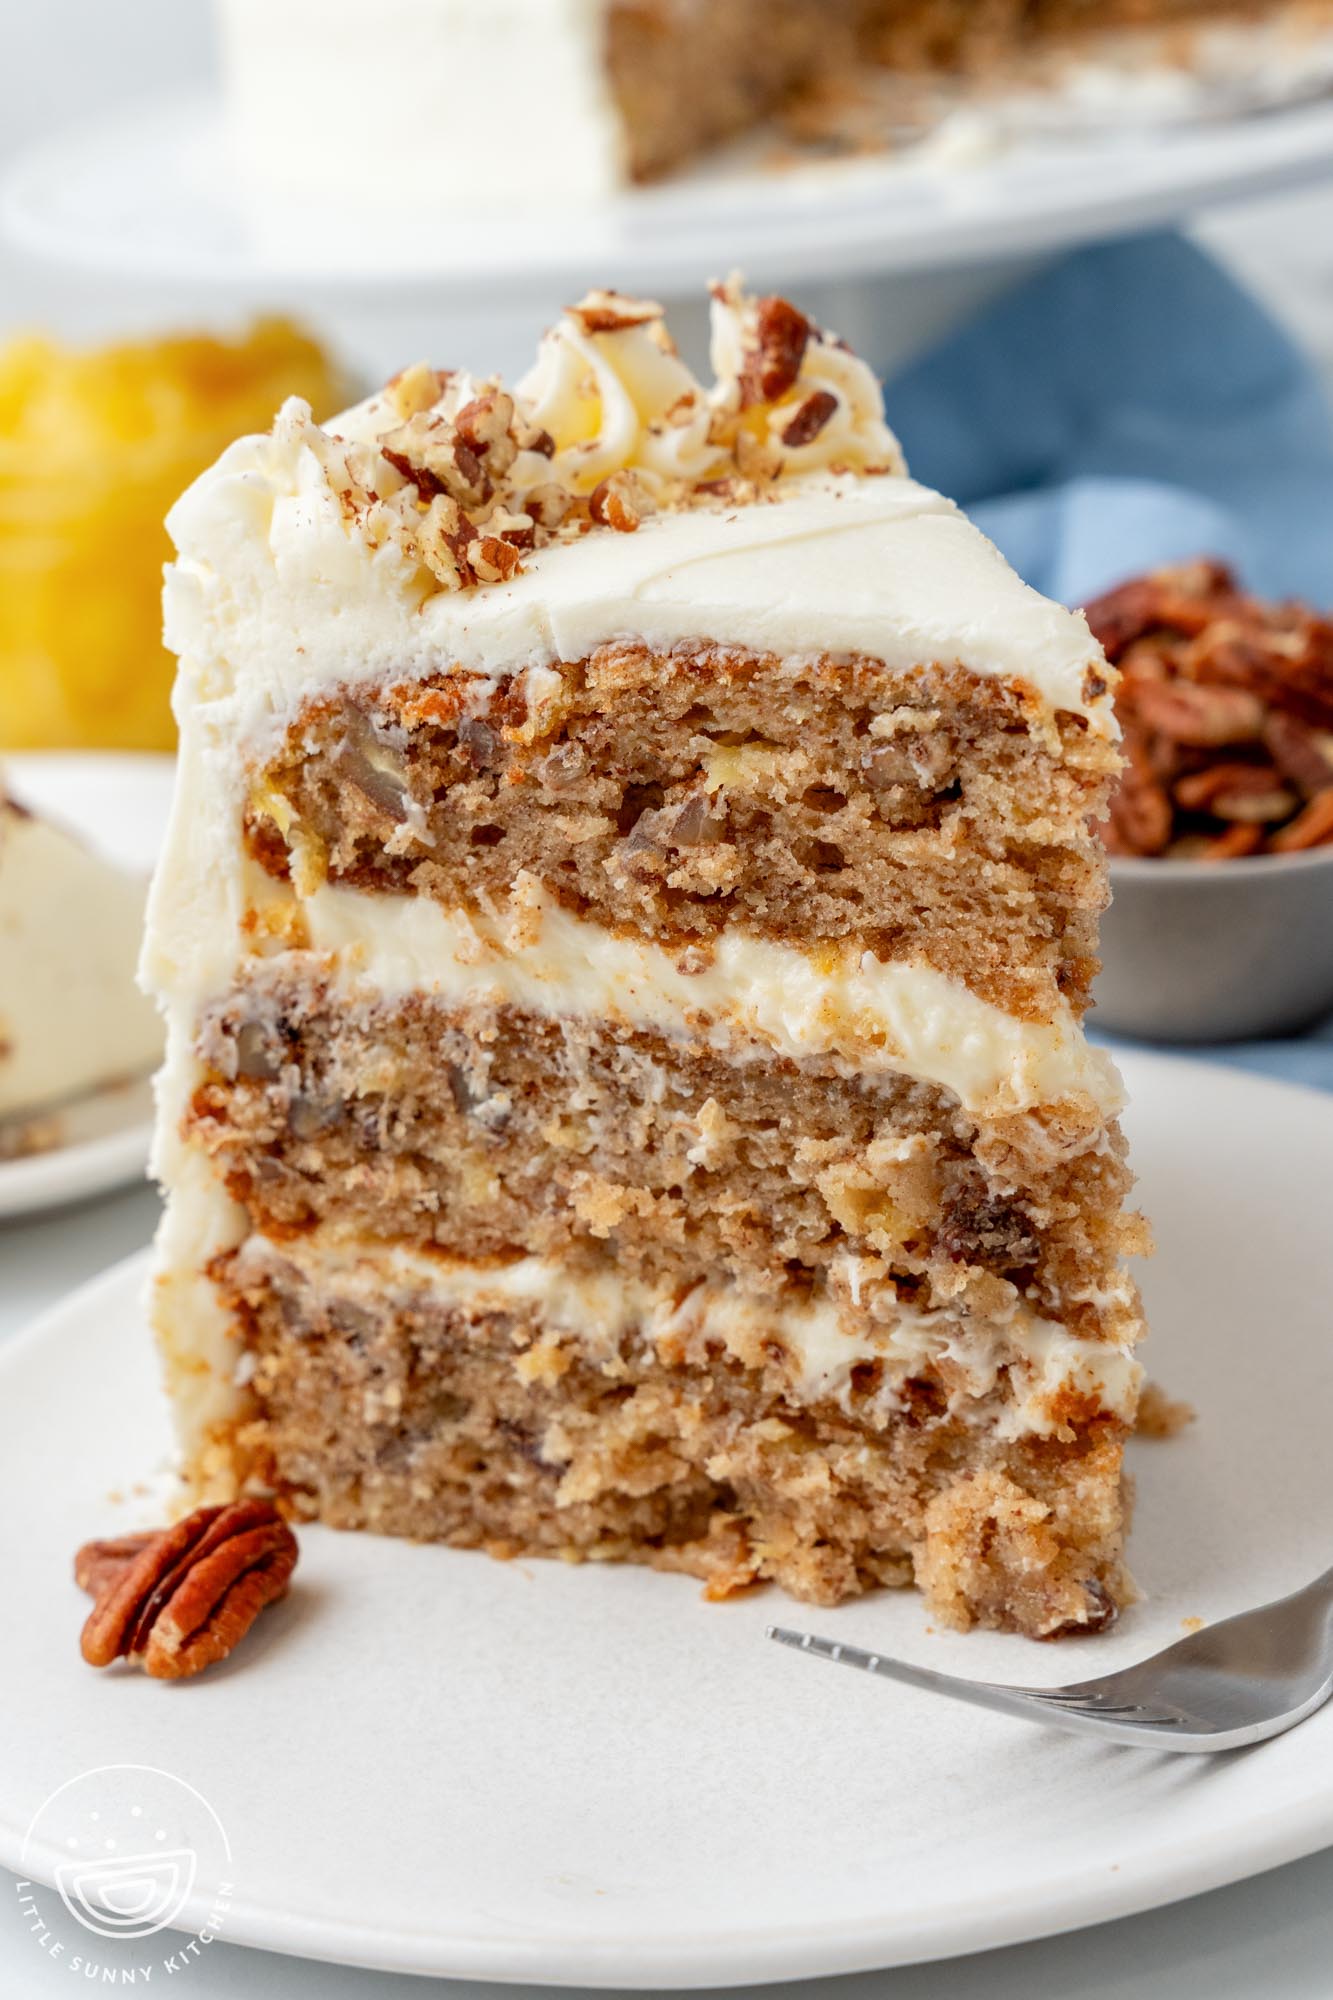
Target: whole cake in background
624	933
71	1016
577	98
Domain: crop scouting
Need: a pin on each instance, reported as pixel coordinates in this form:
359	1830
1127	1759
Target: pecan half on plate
176	1600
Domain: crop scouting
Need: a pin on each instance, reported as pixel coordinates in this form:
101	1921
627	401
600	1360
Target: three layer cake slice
624	936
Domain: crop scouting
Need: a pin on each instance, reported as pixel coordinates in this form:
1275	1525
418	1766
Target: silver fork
1237	1682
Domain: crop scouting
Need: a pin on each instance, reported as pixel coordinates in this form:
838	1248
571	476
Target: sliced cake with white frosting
624	935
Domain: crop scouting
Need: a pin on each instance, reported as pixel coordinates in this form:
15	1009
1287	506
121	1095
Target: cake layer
484	1129
384	1404
1002	36
683	798
688	73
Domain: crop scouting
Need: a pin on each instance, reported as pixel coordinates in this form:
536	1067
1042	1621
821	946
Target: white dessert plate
152	190
118	801
430	1762
101	1142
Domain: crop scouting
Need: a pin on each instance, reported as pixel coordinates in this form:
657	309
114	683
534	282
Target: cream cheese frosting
272	602
305	556
1011	1373
1027	1360
757	996
433	68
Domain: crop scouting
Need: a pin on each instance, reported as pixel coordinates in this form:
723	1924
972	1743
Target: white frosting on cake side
317	89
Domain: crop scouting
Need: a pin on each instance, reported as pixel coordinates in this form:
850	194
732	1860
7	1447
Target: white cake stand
152	195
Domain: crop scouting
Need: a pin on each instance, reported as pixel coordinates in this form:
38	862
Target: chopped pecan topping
1227	709
618	503
416	389
176	1601
612	312
810	418
493	559
484	426
548	505
434	457
452	467
782	335
519	530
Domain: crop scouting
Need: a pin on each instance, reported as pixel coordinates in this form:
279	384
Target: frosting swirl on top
609	426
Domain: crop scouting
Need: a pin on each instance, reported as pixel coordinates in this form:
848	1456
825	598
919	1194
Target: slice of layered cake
624	935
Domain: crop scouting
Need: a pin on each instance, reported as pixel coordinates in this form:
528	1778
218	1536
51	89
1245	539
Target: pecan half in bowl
1221	834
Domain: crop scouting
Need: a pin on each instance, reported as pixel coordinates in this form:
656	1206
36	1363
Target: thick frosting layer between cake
1015	1371
774	998
596	1308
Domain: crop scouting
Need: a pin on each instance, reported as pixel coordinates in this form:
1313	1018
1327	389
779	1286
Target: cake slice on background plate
71	1017
624	933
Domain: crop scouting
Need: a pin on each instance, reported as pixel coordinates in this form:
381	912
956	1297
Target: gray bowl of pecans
1221	834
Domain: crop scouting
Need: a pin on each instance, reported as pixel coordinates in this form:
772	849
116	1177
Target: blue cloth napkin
1133	405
